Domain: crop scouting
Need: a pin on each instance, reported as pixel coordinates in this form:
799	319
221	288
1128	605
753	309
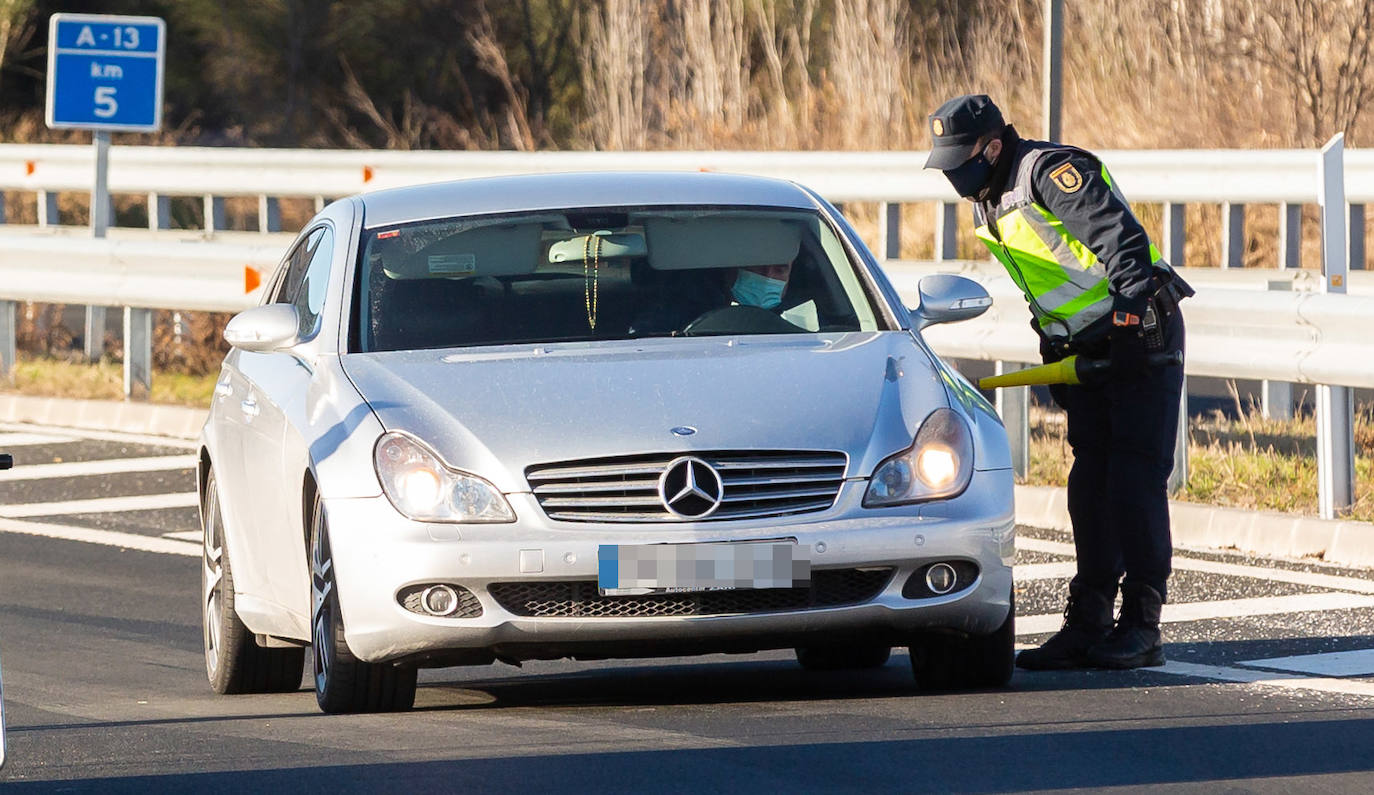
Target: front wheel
343	683
946	661
234	662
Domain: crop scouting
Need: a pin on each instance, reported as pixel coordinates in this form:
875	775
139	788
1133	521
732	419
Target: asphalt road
1270	685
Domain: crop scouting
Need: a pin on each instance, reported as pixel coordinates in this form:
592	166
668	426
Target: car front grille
756	484
580	599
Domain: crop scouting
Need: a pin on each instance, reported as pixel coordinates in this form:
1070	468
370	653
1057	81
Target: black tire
343	683
855	657
234	662
950	661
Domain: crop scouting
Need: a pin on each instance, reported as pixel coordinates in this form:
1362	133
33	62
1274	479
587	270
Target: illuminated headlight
422	488
938	464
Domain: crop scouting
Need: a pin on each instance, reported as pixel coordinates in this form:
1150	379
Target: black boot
1087	620
1136	641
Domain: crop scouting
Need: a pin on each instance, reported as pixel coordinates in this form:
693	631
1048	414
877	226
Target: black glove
1048	355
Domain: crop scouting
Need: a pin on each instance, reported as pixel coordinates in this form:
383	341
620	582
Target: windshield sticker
453	264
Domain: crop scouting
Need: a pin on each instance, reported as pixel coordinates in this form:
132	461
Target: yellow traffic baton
1070	370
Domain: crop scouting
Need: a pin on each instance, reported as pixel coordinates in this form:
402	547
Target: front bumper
377	554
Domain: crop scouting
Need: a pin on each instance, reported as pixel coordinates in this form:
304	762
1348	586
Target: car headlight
422	488
938	465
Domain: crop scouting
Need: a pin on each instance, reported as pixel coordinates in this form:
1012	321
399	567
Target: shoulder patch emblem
1067	178
937	126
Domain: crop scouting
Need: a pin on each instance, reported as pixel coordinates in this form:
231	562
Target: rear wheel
234	662
343	683
949	661
837	657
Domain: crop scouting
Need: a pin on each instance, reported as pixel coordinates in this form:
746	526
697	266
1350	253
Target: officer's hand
1048	355
1128	354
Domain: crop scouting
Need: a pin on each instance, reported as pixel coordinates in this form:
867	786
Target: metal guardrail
1291	335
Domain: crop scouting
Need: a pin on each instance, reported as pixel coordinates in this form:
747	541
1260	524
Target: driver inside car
688	295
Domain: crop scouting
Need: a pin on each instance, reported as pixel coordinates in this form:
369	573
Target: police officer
1096	287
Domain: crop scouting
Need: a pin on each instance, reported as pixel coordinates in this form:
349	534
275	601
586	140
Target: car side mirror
946	298
264	328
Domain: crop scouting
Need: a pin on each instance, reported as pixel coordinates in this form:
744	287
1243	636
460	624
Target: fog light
440	600
941	579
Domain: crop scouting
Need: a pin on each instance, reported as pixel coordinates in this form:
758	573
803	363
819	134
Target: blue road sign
105	72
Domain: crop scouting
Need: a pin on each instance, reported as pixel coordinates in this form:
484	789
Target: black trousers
1122	434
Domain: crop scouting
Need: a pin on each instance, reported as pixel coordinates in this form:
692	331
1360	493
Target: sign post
105	74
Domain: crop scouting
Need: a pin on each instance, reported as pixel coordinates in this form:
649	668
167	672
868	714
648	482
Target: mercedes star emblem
690	488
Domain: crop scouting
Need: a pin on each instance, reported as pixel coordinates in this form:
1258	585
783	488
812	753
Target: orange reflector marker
367	173
29	167
252	278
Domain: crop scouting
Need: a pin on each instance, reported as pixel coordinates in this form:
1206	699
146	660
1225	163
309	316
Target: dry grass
1249	462
104	380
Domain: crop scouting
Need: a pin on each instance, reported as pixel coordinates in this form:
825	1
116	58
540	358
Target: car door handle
250	407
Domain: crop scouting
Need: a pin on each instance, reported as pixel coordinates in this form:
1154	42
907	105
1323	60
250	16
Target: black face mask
970	179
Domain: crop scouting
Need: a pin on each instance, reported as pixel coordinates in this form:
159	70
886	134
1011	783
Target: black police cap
956	126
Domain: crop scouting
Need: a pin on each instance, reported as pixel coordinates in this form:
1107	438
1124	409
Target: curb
1271	533
1347	543
179	422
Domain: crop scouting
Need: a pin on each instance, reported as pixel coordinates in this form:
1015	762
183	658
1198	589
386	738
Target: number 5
105	105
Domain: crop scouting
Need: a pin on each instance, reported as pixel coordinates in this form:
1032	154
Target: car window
289	275
608	273
308	297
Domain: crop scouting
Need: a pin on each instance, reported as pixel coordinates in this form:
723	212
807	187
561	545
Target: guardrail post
214	214
47	208
1178	477
138	353
946	230
94	344
1276	397
159	211
1355	237
1013	405
1290	235
1335	410
1174	233
9	313
2	207
269	214
319	203
1232	235
889	230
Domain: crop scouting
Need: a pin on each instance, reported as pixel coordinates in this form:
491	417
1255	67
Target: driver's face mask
753	289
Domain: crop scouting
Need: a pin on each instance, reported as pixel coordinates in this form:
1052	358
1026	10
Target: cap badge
937	126
1067	178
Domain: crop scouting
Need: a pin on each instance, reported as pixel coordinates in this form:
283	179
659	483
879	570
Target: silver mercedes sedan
589	416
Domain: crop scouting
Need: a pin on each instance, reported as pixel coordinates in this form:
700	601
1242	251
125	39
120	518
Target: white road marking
1226	608
103	436
1270	679
1315	579
8	440
115	466
1359	662
147	502
1059	570
195	536
108	538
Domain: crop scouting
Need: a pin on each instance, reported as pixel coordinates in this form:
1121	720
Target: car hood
495	411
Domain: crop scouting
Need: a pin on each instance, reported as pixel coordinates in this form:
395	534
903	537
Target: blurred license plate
624	569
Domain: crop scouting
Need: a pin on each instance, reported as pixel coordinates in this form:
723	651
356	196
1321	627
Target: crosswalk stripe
1358	662
109	538
147	502
1225	608
1313	578
115	466
1058	570
74	434
1268	678
8	440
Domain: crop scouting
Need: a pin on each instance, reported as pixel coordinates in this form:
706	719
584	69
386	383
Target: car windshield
617	273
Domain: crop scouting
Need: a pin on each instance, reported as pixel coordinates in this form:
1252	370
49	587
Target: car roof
532	192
